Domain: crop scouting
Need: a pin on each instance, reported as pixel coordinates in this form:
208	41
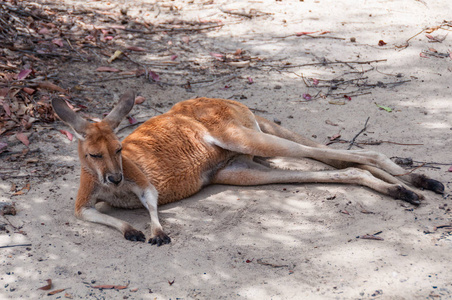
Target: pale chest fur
121	196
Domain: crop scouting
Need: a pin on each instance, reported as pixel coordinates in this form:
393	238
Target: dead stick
411	171
335	63
362	130
18	245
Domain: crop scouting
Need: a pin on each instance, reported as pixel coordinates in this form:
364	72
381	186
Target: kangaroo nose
115	178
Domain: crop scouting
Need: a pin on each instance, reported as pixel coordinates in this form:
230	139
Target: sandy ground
291	241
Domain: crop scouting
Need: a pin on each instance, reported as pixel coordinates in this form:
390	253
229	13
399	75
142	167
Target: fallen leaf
132	120
315	82
304	33
217	55
381	43
335	137
238	52
250	80
3	146
107	69
68	134
423	55
433	50
450	169
24	74
134	290
331	123
154	76
139	99
173	57
50	86
348	98
370	237
24	190
186	39
137	49
55	292
115	56
110	287
307	97
345	212
170	282
28	90
48	286
249	261
23	138
68	296
431	37
239	64
7	108
58	42
43	31
388	109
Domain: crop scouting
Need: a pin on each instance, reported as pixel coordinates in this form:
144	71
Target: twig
110	79
259	261
334	63
411	171
18	245
361	131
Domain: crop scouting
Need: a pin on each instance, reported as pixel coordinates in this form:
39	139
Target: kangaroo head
99	148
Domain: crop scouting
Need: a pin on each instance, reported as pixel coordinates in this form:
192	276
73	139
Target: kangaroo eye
95	155
118	151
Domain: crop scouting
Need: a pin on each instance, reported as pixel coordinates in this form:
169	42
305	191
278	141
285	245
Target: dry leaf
217	55
423	55
186	39
24	190
110	286
154	76
331	123
107	69
173	57
68	134
304	33
250	80
50	86
114	56
132	120
335	137
23	138
6	108
48	286
239	64
28	90
24	74
58	42
381	43
450	169
68	296
371	237
137	49
55	292
307	97
139	99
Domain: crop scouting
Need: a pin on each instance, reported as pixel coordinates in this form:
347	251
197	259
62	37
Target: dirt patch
321	68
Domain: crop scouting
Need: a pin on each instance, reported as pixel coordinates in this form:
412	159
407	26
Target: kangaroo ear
121	109
70	117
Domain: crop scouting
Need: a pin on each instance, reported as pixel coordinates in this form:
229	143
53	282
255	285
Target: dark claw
406	195
434	185
134	235
422	181
160	239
